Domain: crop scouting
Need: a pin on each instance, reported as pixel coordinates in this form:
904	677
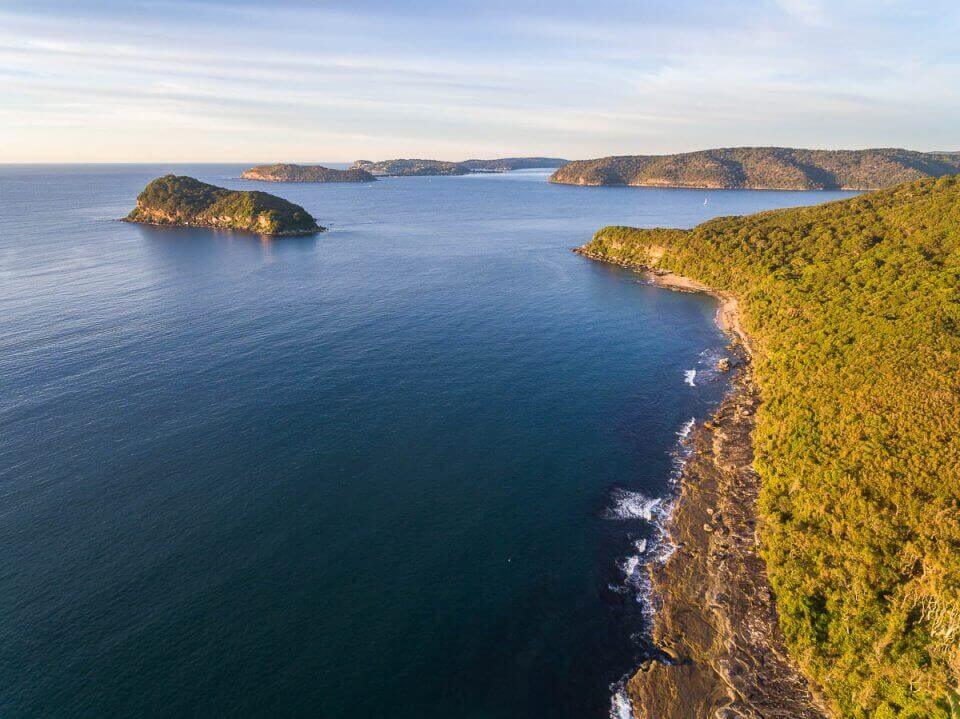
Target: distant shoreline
762	168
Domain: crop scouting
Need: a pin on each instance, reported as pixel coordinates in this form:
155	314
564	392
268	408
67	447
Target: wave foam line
620	705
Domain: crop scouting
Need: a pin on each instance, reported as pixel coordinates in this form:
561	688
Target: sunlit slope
854	308
780	168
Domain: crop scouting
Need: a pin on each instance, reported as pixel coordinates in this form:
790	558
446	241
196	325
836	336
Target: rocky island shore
305	173
763	168
175	200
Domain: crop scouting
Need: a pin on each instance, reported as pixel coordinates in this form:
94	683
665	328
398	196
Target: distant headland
763	168
185	202
305	173
407	168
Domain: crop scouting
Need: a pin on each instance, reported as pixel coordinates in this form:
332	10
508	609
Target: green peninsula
763	168
186	202
305	173
853	308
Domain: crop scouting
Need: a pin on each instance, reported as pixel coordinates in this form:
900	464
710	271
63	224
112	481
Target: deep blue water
368	473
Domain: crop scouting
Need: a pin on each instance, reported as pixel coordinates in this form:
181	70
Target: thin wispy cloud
293	80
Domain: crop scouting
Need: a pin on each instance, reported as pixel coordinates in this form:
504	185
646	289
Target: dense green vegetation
404	168
779	168
179	200
399	168
854	308
305	173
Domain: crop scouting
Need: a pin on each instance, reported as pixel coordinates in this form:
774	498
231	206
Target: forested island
852	311
186	202
410	168
305	173
763	168
403	168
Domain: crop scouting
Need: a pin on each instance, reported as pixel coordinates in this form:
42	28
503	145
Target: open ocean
403	468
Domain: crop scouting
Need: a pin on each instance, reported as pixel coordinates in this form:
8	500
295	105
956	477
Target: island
411	168
817	532
404	168
763	168
305	173
182	201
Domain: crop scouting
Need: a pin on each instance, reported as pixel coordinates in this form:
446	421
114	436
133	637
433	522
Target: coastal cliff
305	173
186	202
831	470
763	168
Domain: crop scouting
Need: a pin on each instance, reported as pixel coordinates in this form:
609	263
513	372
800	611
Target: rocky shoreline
721	652
180	201
715	623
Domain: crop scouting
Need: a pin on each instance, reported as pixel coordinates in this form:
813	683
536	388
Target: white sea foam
707	364
620	705
689	375
657	549
630	567
630	504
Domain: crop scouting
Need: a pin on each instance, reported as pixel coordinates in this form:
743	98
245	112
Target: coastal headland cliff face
850	490
763	168
305	173
186	202
405	168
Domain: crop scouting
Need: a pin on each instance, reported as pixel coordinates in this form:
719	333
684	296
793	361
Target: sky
298	81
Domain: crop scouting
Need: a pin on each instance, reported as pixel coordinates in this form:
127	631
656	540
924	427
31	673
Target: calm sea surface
397	469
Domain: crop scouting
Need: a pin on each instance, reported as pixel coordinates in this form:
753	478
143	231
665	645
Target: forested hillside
763	168
854	310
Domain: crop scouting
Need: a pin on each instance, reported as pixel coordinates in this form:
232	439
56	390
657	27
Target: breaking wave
631	504
620	705
689	375
654	548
